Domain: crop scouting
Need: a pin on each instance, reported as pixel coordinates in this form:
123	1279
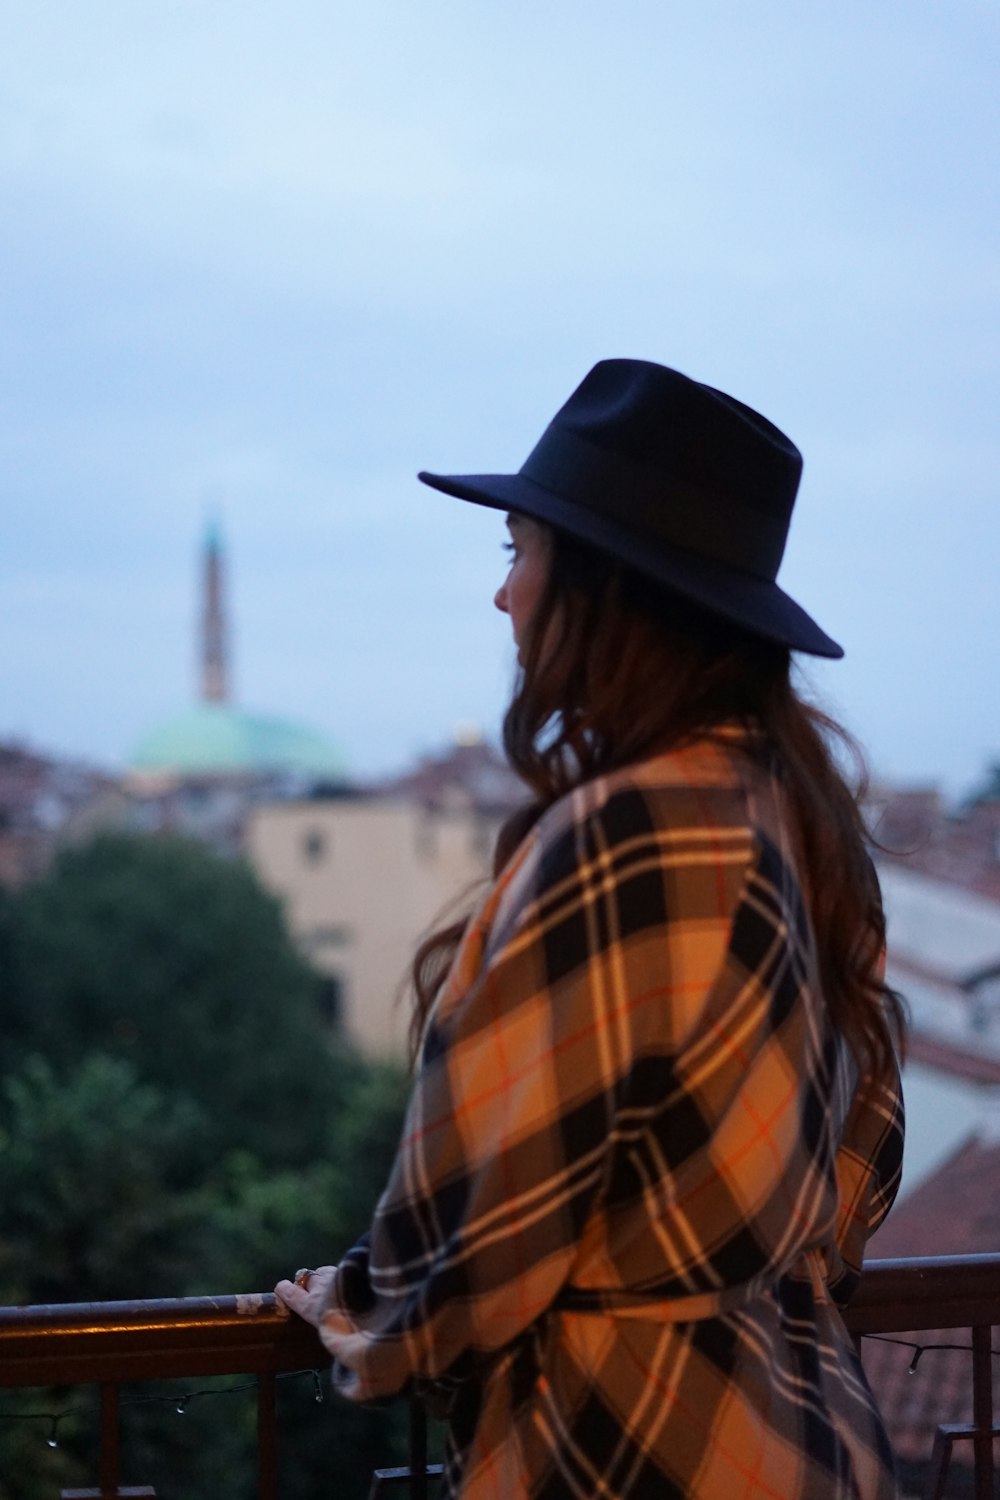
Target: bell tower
214	684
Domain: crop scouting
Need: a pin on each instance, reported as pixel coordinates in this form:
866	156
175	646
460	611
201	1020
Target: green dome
215	738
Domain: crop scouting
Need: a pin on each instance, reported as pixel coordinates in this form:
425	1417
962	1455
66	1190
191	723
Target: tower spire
214	685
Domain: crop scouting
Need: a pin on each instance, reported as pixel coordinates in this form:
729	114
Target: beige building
362	879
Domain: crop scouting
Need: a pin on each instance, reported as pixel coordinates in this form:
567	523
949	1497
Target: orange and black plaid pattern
637	1159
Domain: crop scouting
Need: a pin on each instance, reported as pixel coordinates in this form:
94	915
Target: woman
656	1111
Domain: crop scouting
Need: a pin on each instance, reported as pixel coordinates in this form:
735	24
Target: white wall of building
362	881
941	1113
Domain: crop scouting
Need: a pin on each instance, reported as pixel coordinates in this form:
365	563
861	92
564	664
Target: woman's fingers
309	1294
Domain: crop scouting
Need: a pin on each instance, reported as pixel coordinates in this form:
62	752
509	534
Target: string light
180	1404
921	1349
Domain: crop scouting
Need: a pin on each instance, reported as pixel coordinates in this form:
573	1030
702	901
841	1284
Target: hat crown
697	437
672	463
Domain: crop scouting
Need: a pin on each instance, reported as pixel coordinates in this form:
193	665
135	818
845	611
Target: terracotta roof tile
954	1060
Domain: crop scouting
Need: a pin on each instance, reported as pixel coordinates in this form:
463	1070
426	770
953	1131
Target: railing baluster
418	1451
940	1459
982	1411
110	1462
267	1435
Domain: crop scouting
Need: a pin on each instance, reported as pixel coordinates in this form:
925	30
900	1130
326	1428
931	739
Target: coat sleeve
573	963
869	1171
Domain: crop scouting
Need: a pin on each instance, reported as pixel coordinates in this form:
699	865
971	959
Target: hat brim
757	604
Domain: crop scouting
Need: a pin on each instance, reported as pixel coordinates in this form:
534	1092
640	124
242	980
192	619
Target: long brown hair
618	668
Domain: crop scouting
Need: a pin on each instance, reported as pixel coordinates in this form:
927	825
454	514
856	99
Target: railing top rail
147	1313
68	1343
82	1342
938	1291
964	1264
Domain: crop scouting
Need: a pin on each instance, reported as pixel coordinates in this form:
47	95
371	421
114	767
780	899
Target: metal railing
113	1342
107	1343
935	1293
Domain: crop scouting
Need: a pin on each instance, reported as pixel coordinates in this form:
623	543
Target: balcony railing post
267	1435
110	1462
418	1451
982	1410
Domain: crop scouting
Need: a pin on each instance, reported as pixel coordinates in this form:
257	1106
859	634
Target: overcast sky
271	260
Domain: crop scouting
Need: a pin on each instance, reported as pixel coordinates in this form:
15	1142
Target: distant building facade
44	800
364	877
960	846
944	957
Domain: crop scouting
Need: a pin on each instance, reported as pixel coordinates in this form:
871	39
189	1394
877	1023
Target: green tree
97	1184
175	1120
256	1224
161	953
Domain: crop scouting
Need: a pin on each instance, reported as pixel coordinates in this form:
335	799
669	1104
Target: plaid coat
638	1169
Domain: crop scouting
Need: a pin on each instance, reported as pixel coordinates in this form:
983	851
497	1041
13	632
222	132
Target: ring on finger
302	1276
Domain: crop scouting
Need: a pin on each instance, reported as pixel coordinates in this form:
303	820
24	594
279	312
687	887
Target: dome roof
215	738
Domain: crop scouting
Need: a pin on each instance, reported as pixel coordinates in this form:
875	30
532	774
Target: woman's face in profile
530	547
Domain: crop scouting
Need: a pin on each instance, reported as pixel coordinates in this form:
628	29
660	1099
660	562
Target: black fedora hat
674	478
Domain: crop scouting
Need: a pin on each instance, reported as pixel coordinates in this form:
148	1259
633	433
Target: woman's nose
500	599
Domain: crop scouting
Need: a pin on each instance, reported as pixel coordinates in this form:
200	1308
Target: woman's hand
309	1294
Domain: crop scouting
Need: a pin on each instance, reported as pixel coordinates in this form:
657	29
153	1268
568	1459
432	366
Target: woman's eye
510	547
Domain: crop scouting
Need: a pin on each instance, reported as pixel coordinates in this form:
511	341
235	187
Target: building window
318	938
426	840
314	846
330	1000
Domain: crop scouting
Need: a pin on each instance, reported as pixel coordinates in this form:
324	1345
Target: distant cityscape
363	868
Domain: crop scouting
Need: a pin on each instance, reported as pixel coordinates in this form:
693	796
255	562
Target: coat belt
666	1307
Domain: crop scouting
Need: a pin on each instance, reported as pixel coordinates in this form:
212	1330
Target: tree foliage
175	1119
159	952
97	1185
